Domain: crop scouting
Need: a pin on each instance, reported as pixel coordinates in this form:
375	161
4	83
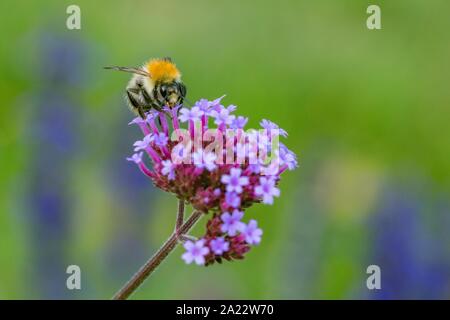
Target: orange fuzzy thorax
162	70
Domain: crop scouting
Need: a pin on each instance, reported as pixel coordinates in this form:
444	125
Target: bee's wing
129	69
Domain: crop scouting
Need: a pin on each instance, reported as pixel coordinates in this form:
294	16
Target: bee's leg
159	109
141	112
145	95
150	103
159	122
135	103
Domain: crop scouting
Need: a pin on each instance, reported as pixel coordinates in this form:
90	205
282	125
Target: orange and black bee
153	86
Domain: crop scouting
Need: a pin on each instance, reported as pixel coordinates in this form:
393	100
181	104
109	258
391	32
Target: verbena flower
239	122
234	181
193	114
232	200
195	251
267	189
168	169
204	160
136	158
219	245
223	183
204	105
269	125
161	139
222	117
231	223
287	158
144	143
252	233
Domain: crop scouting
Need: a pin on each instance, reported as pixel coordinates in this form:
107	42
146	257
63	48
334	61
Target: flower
219	245
168	169
136	158
172	111
232	222
272	169
195	251
231	108
161	139
151	116
204	105
287	157
234	181
143	144
269	125
240	150
222	117
206	179
193	114
215	104
252	233
238	122
137	120
254	168
232	199
267	190
204	160
179	153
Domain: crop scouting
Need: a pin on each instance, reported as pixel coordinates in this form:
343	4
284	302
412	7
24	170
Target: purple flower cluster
206	178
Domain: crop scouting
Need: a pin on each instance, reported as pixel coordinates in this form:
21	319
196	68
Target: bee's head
168	90
170	93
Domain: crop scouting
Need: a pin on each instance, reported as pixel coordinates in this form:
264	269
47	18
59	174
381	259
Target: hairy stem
180	215
150	266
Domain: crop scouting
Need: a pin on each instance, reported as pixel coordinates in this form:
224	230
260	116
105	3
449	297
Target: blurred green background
367	113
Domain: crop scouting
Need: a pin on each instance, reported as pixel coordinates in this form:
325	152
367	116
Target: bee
153	86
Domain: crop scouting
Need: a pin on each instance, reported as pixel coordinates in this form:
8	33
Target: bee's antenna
129	69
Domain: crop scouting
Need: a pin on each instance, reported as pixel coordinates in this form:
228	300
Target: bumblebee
153	86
